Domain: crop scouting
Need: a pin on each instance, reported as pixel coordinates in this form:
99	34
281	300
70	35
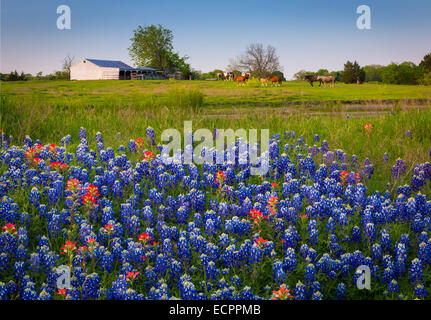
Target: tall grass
51	122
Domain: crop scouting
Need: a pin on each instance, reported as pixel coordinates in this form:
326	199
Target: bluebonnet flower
393	286
341	291
420	291
416	271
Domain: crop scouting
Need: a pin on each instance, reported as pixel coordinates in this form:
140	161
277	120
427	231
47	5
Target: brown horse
324	79
220	76
275	80
241	79
246	75
264	81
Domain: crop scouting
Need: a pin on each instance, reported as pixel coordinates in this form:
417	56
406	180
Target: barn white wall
89	71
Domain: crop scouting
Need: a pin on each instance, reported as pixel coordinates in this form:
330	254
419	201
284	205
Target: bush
427	79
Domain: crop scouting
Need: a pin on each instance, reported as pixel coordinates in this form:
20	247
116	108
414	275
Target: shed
93	69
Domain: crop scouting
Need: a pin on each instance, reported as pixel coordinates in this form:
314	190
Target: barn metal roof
111	64
146	69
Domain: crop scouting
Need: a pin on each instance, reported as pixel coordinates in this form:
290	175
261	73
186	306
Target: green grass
217	93
49	110
33	114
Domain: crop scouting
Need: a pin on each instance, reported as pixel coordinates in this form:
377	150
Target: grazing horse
264	81
220	76
311	79
324	79
241	79
275	80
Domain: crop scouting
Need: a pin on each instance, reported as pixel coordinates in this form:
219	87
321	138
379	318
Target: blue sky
307	34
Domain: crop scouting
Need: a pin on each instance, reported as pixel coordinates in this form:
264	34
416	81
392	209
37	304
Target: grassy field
217	93
122	110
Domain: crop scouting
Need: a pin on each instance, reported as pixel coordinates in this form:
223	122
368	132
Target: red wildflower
52	147
10	228
282	293
62	292
220	178
368	128
272	205
69	247
148	155
132	275
274	184
144	238
260	241
59	166
73	185
92	189
257	216
109	228
91	240
139	142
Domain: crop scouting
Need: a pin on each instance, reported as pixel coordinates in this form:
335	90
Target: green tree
337	74
322	72
177	63
279	74
301	74
403	73
352	71
152	47
426	62
427	79
373	72
13	76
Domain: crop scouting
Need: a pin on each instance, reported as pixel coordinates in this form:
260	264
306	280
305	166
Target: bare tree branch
257	60
67	63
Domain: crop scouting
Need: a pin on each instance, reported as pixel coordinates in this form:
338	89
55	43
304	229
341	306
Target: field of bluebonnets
129	226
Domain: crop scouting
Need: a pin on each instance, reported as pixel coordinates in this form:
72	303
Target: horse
325	79
246	75
241	79
220	76
264	81
228	76
276	80
311	79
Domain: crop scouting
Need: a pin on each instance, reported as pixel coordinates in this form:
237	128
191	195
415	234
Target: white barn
92	69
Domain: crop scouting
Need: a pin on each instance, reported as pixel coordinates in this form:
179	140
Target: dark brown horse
312	79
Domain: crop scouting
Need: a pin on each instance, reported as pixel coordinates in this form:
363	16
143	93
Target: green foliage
427	79
322	72
373	72
300	75
353	72
403	73
151	46
14	76
426	62
278	74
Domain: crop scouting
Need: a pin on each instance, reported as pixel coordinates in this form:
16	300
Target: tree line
395	73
